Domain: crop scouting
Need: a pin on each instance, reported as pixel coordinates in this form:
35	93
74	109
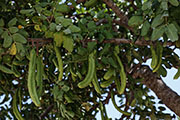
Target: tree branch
116	10
49	108
42	41
170	98
123	18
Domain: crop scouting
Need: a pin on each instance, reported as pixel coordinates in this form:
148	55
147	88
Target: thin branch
49	108
124	25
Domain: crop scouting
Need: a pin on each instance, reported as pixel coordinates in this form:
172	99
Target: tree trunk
152	80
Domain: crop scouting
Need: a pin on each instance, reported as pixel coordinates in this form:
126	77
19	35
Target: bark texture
170	98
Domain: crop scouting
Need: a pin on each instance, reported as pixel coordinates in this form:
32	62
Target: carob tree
65	59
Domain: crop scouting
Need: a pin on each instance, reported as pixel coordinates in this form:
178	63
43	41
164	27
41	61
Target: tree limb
170	98
123	18
49	108
42	41
116	10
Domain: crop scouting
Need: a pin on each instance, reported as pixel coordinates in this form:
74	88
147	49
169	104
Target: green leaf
38	8
47	12
58	27
147	5
67	31
91	46
91	26
13	29
58	94
74	28
158	32
20	47
24	33
58	20
157	21
66	22
58	38
63	8
164	5
174	2
112	62
12	22
1	31
27	11
68	43
135	20
7	41
63	21
19	38
177	26
145	28
52	27
65	88
4	34
162	71
172	32
49	34
1	22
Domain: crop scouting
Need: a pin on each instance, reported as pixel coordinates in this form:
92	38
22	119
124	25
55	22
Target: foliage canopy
71	57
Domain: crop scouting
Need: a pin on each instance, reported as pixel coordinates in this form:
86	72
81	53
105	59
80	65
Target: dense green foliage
64	54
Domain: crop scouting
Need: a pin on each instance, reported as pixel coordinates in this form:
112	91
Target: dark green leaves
1	22
74	28
174	2
63	8
52	27
145	28
135	20
58	38
27	11
68	43
172	32
147	5
13	29
63	21
158	32
12	22
7	39
19	38
164	5
157	21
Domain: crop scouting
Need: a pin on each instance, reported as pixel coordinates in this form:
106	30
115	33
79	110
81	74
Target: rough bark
152	80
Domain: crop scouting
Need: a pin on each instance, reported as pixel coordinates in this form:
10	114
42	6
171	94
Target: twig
50	107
